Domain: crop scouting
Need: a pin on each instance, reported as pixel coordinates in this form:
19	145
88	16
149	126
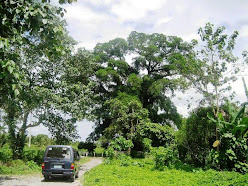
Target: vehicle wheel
46	178
73	178
77	174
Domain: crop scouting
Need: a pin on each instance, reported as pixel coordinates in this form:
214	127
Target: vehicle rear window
58	152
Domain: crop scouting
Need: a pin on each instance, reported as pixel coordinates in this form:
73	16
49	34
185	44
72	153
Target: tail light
72	166
43	165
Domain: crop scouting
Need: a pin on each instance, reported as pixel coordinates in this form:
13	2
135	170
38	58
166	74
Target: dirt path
38	180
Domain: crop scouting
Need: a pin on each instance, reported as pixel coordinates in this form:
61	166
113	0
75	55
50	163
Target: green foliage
41	140
215	65
127	114
245	87
99	150
152	77
84	160
233	130
120	144
63	130
124	159
147	143
163	157
19	167
140	172
87	145
110	152
33	40
161	135
33	154
5	155
196	137
4	138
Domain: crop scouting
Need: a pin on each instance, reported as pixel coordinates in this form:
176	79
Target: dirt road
38	180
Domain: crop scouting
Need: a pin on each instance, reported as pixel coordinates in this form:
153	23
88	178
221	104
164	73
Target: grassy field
141	172
19	167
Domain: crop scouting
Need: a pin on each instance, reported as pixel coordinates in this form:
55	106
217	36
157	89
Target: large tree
153	75
159	59
33	42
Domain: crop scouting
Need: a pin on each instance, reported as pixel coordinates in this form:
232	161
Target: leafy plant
110	152
5	155
99	150
233	131
120	143
162	157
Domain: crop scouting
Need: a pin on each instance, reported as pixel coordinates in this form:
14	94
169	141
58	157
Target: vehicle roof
59	146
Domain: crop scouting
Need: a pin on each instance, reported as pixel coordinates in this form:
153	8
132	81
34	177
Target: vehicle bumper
58	173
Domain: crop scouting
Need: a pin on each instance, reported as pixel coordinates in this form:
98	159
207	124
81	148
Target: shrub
32	165
19	167
110	152
196	137
99	150
121	143
232	128
147	143
5	155
162	157
124	159
33	155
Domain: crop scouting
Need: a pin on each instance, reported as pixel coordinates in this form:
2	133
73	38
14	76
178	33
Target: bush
233	136
124	159
99	150
19	167
32	165
5	155
121	143
162	157
110	152
33	155
196	137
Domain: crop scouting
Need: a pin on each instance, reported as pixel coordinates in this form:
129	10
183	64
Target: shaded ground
38	180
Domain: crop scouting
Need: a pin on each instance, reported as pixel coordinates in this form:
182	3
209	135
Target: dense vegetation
141	172
130	101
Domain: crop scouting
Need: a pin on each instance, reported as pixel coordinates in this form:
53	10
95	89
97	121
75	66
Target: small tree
215	66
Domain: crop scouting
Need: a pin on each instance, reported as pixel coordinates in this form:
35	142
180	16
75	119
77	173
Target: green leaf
10	69
16	75
16	92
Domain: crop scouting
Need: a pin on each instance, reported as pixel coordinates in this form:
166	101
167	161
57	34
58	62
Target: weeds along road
38	179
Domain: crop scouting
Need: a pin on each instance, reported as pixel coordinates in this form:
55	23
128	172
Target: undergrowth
122	171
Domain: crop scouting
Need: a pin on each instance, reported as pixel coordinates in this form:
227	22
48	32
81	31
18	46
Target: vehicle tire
46	178
73	178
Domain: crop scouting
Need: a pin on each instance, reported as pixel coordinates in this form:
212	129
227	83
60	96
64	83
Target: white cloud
164	20
135	9
82	14
243	32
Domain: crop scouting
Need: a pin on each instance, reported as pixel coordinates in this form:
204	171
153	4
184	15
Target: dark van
60	161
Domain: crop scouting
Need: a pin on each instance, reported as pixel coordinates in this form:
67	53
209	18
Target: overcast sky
94	21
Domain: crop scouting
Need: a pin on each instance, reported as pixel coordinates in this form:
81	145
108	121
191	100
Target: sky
96	21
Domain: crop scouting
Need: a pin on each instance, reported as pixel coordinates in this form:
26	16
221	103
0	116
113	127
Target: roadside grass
141	172
84	160
19	167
